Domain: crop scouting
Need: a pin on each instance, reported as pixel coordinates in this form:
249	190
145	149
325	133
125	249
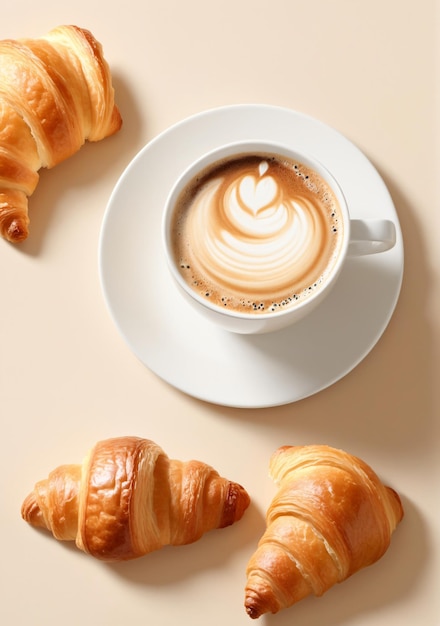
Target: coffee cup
255	235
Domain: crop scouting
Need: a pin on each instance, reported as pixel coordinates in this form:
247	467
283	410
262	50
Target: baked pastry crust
330	517
128	498
55	93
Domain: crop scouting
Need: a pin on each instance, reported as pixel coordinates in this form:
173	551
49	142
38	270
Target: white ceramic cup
360	237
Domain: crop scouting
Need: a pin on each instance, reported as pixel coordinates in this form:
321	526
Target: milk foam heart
256	193
257	232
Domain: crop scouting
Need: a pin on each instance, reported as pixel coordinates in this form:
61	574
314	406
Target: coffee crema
256	233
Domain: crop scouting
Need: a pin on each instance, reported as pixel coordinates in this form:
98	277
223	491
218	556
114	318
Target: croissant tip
17	231
252	611
31	512
236	503
255	603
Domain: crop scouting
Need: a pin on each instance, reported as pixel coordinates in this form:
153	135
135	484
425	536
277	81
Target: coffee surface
256	233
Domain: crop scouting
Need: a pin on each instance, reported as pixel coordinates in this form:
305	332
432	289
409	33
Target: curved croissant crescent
331	517
128	499
55	92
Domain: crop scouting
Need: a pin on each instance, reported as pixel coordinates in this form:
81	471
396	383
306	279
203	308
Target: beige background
369	69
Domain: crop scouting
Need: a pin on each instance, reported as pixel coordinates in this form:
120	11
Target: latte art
256	233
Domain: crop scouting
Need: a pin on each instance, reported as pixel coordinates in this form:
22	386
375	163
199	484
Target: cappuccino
256	233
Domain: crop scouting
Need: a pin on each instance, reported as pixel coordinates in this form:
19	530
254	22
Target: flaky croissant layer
330	517
55	93
128	498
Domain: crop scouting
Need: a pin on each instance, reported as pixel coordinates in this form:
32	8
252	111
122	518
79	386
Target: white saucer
188	351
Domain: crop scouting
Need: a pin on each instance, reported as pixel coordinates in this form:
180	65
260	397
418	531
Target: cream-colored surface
369	69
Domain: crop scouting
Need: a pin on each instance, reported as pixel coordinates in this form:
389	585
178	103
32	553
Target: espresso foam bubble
256	233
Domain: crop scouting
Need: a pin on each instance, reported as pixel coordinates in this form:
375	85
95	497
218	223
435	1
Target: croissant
128	499
55	92
330	517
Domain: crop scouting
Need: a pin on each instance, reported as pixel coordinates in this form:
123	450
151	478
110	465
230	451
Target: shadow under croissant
382	584
212	551
171	564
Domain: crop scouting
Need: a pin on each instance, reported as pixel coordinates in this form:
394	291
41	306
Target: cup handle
371	236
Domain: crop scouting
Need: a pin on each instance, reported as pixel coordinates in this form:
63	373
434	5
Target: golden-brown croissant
55	92
330	517
128	499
